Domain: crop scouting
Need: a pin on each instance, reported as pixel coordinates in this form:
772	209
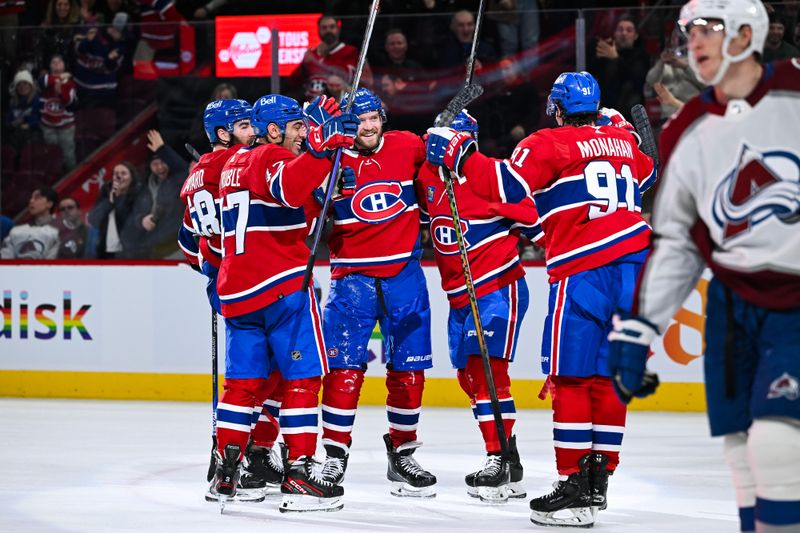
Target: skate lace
410	466
316	476
557	489
492	465
334	467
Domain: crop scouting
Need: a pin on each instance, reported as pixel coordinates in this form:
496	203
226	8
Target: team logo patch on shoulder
431	192
296	355
785	386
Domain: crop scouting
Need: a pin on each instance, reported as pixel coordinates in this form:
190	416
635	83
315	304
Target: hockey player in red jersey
377	277
502	293
270	323
586	181
730	200
227	126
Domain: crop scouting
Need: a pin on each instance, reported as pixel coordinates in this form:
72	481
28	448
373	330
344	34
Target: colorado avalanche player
270	323
499	279
730	199
376	276
586	182
227	126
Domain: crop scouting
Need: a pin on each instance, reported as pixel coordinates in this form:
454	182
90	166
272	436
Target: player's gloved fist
627	359
448	147
321	109
347	182
611	117
336	132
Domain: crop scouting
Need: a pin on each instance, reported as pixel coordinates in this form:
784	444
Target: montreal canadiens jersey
490	239
376	230
586	182
262	192
199	235
730	198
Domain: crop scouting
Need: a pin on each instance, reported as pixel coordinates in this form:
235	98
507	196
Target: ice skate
262	472
599	481
490	483
569	504
515	487
335	463
226	476
305	490
407	476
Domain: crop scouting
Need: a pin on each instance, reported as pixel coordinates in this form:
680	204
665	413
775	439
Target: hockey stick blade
465	96
192	152
642	125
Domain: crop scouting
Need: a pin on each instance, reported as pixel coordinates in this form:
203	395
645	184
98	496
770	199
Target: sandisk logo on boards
43	318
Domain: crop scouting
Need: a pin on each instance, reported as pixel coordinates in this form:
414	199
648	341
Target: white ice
97	466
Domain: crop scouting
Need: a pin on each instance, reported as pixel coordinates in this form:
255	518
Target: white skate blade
493	495
515	490
577	517
299	503
241	496
404	490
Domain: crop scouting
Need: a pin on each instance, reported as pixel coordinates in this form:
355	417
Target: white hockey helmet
734	14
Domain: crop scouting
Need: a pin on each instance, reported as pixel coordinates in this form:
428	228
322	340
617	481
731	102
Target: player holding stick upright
270	323
730	199
502	299
376	276
586	182
227	126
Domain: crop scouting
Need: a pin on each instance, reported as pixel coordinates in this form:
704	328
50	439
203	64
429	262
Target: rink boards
144	332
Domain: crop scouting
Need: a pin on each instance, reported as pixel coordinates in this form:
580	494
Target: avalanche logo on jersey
762	185
444	235
378	202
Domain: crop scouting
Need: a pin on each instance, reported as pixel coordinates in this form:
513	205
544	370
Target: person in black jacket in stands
112	210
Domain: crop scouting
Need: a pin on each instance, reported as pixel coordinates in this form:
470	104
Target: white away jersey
729	198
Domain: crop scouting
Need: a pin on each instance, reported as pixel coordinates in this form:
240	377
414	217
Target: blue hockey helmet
277	109
224	114
365	101
574	93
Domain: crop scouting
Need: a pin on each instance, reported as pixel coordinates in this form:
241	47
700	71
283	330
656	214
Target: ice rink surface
98	466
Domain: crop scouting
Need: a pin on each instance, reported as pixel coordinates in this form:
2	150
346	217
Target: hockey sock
608	420
473	381
743	481
235	411
298	418
572	421
403	404
265	426
341	389
773	452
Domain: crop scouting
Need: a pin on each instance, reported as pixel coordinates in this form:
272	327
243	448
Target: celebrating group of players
574	189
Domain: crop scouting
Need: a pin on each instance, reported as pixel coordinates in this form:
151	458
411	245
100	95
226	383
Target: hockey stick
214	365
336	170
214	394
645	131
445	118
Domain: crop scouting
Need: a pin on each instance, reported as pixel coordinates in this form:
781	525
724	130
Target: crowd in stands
69	64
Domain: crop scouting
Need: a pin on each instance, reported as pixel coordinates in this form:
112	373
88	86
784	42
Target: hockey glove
347	182
336	132
321	109
612	117
448	147
627	358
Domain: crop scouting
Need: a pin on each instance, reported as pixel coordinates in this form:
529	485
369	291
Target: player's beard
370	143
329	38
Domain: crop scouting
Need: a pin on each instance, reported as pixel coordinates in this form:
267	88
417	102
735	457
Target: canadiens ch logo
785	386
444	235
378	202
760	186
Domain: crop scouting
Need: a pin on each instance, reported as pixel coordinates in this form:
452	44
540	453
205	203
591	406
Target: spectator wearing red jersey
58	120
